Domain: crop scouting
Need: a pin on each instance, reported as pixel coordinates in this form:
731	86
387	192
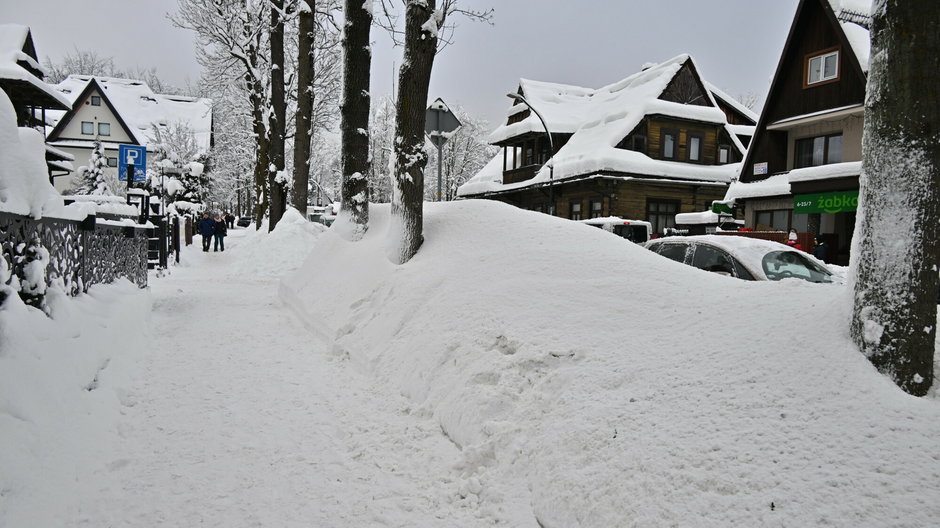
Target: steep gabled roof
848	19
599	120
91	86
139	108
20	73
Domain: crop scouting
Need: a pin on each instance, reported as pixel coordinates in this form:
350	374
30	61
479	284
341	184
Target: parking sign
135	155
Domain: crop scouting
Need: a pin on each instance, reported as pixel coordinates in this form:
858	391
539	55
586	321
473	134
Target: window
819	150
88	128
712	259
822	67
778	219
724	154
95	100
639	143
695	147
661	214
575	211
104	129
676	252
112	162
669	144
597	207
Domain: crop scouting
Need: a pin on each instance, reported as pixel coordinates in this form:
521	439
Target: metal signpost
438	122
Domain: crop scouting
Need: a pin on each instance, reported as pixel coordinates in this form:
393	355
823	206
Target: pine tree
93	181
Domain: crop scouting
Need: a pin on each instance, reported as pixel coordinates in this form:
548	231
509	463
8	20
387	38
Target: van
637	231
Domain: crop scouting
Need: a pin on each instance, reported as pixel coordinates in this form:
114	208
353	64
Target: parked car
243	221
741	257
638	231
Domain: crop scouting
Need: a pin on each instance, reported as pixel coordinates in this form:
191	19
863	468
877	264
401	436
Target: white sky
736	43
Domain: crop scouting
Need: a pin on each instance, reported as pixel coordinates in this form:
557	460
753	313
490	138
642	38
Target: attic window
822	67
95	100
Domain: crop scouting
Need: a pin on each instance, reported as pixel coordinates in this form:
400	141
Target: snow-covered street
242	418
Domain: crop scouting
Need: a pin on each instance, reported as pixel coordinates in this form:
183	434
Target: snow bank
607	386
24	183
281	251
63	385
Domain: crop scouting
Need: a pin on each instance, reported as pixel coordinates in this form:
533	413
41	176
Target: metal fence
81	253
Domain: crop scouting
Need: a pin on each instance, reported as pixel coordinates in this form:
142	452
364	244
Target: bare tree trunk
256	96
896	239
277	182
406	230
354	111
305	95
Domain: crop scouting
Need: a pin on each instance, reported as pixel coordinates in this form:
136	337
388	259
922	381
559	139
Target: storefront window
777	220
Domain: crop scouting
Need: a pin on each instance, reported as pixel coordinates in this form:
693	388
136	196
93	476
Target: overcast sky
590	43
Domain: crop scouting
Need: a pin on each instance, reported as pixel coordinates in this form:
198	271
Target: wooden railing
520	174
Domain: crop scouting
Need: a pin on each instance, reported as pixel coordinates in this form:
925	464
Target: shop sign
830	202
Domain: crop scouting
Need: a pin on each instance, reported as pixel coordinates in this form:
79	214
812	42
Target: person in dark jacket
219	231
230	220
206	229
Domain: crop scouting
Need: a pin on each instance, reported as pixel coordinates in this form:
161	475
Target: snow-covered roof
731	101
141	108
854	17
13	39
779	184
599	120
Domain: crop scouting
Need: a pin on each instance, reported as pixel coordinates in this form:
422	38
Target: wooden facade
626	198
815	30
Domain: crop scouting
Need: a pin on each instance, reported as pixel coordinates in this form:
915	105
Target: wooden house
22	79
657	143
802	169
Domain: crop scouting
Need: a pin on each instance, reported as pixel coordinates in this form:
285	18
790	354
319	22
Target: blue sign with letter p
135	155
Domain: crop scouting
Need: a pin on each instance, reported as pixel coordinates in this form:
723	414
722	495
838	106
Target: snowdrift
64	383
604	385
265	255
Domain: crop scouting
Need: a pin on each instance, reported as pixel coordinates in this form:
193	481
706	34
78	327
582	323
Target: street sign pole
439	120
439	156
130	176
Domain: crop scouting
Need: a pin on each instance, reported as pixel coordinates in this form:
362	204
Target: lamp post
551	157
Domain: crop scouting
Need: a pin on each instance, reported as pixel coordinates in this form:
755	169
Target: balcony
520	174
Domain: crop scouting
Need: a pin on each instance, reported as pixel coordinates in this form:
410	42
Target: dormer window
822	67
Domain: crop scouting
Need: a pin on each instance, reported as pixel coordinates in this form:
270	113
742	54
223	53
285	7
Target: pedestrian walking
220	230
206	229
230	220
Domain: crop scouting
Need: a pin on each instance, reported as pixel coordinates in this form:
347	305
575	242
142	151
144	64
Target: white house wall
82	159
94	114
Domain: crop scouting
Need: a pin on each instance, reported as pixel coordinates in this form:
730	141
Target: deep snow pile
607	386
264	254
63	387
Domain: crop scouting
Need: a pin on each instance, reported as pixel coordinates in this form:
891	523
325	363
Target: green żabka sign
831	202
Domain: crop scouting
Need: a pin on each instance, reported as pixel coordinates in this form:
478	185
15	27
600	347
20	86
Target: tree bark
256	97
406	231
305	95
896	240
277	182
354	114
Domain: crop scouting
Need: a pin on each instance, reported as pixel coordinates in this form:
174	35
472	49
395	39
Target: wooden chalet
657	143
22	79
802	169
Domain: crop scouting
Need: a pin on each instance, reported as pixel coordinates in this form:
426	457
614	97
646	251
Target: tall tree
354	115
896	240
422	22
232	36
277	177
305	98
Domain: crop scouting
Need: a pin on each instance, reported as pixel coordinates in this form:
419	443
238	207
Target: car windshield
633	233
785	264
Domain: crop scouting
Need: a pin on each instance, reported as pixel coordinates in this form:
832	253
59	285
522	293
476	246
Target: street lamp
551	147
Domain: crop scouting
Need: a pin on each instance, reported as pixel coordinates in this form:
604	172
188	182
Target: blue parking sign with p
135	155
